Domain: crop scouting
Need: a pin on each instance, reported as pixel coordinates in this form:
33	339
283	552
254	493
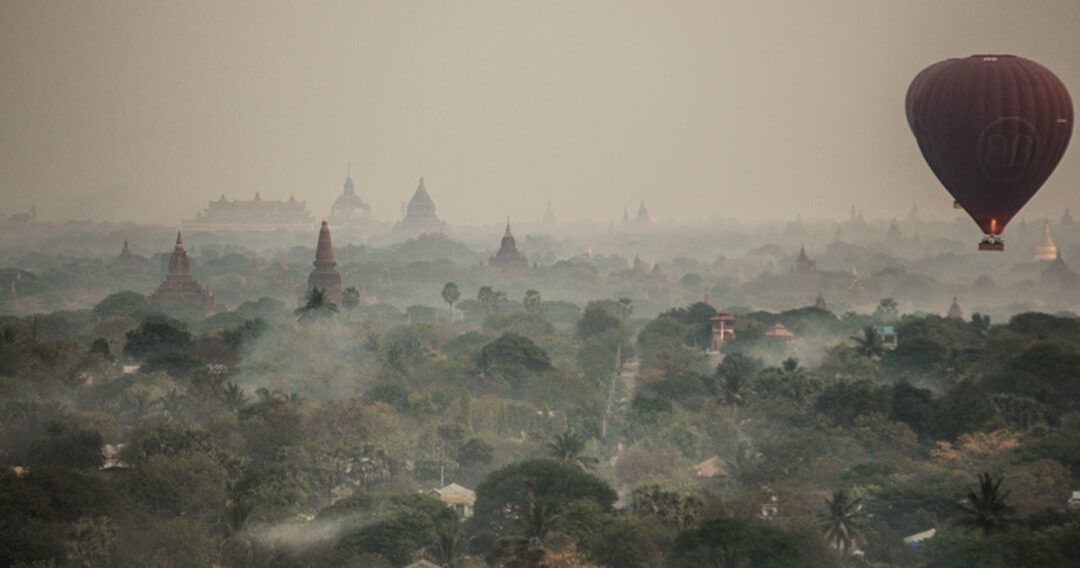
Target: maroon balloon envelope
992	128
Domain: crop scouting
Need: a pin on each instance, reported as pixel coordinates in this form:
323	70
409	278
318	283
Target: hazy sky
147	110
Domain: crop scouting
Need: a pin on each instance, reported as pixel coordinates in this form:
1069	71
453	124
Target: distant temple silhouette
180	286
1058	276
125	256
420	214
508	257
127	259
955	311
253	215
549	216
893	234
642	215
803	265
325	275
348	209
641	220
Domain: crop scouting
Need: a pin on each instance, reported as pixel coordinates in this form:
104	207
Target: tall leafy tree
67	445
736	374
157	334
533	302
490	299
599	317
733	543
887	310
450	294
513	356
506	497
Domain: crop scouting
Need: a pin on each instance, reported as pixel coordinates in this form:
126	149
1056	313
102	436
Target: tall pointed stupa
549	216
420	214
893	234
642	215
803	265
325	275
180	286
508	257
127	259
1046	249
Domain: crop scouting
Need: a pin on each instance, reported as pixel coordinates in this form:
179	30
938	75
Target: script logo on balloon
1007	146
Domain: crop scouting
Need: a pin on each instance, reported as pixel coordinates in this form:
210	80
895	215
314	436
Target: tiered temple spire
420	214
325	275
643	214
508	257
803	265
180	286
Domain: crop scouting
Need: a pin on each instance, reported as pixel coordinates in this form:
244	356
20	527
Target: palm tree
568	447
172	403
734	391
449	543
450	294
669	507
985	508
137	404
318	305
842	520
235	399
868	343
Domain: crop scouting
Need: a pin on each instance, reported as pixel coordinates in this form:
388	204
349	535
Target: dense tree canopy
504	499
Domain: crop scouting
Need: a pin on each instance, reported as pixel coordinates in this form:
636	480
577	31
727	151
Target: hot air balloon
992	128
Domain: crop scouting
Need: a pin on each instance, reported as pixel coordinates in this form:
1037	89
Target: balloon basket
995	244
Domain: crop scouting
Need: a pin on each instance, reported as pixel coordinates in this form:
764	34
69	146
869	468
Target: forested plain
578	398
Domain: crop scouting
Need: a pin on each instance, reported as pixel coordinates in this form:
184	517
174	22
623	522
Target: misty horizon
127	112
